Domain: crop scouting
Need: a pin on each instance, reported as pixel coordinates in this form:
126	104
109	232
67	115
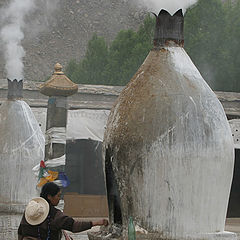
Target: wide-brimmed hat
36	211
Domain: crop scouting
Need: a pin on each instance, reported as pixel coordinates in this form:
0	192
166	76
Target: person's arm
64	222
68	223
78	224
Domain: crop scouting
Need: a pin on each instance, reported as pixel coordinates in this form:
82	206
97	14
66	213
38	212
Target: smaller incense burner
15	89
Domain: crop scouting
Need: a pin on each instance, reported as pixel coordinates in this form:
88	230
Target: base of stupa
13	208
9	224
214	236
104	235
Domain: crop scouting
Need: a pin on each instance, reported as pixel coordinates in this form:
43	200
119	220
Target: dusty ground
232	225
10	225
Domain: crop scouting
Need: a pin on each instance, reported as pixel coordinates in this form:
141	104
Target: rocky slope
61	33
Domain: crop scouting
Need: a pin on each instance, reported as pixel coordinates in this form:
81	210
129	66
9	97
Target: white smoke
11	34
17	16
171	6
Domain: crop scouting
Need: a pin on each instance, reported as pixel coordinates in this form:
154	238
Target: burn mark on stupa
169	28
112	190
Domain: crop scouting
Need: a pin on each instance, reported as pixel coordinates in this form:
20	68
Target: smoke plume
170	5
17	16
11	34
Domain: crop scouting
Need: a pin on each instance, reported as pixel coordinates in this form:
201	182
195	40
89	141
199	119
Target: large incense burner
168	147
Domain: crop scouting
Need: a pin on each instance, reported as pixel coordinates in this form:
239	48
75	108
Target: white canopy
86	124
81	124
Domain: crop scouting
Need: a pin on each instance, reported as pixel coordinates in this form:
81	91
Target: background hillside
107	40
63	34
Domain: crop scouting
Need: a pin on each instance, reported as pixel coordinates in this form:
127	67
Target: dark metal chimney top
169	29
15	89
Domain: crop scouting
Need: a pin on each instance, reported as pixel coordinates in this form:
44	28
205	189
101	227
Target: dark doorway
234	200
84	167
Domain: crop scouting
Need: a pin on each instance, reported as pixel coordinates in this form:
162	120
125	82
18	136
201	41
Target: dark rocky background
60	32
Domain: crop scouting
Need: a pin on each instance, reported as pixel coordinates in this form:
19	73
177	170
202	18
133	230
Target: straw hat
36	211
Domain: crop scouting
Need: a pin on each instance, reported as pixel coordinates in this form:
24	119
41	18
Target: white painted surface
177	183
21	148
41	116
189	180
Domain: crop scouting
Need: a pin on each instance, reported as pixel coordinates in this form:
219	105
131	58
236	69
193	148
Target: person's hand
105	222
100	222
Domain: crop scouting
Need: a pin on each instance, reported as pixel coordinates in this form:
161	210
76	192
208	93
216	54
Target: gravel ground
9	225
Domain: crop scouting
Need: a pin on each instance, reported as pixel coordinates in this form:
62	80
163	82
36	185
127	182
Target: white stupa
21	148
169	152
